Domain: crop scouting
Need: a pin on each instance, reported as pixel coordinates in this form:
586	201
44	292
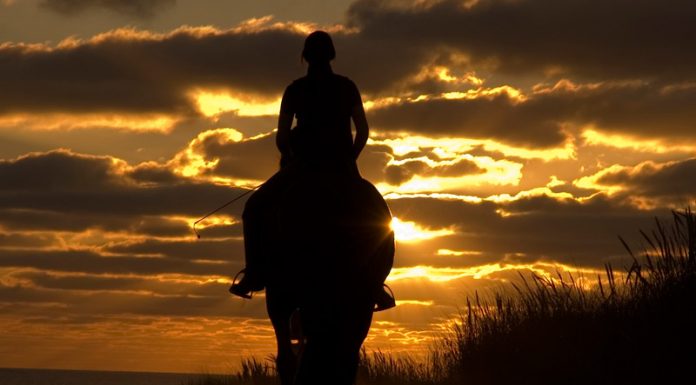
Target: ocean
9	376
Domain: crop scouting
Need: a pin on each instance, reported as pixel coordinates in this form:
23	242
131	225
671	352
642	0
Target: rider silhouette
319	150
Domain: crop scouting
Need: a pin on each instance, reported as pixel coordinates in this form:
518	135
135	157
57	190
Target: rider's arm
283	134
284	124
362	131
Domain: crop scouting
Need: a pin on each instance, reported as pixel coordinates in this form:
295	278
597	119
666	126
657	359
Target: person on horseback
336	244
324	104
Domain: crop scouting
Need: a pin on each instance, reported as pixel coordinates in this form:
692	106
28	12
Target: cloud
136	284
525	230
129	71
138	8
577	38
393	51
499	118
60	170
81	261
191	249
62	191
142	215
666	184
225	153
401	173
550	114
134	71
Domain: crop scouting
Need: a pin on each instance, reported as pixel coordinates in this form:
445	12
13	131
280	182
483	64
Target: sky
508	136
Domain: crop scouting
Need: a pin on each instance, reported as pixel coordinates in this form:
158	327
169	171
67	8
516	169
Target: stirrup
388	302
237	289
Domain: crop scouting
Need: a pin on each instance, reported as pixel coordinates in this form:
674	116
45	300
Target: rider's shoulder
335	80
344	79
297	82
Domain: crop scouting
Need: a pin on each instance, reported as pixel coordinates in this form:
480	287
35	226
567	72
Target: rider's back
322	102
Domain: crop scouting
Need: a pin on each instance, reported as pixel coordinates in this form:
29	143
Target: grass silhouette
637	326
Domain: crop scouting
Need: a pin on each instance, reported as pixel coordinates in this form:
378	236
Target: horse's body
332	248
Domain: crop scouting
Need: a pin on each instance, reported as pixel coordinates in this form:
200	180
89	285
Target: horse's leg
334	337
280	307
348	349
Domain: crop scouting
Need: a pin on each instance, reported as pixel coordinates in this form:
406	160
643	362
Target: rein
198	236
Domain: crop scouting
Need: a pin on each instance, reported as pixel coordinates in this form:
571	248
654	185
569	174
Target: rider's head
318	48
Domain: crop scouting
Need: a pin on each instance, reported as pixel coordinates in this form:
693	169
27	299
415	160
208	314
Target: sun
412	232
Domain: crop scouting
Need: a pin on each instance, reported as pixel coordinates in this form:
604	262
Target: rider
324	104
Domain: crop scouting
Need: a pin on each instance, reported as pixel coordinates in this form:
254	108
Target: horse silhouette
334	250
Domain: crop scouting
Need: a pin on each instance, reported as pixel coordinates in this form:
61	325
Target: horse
331	250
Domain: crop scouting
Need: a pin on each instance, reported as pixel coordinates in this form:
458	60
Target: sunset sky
508	136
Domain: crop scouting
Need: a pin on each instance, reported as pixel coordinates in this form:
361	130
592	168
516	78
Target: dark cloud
674	182
398	174
497	118
141	72
373	162
79	261
153	172
154	285
17	239
67	192
62	181
537	228
58	170
255	158
543	119
127	71
138	72
598	39
193	249
114	302
139	8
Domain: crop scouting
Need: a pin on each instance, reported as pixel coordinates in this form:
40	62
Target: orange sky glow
119	131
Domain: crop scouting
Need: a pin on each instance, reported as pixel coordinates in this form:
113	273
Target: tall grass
637	327
632	327
253	372
386	369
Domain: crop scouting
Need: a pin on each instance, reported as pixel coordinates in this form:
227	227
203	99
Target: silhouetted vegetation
253	371
637	326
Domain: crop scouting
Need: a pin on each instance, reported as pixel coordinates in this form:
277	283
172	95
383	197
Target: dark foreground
13	376
636	326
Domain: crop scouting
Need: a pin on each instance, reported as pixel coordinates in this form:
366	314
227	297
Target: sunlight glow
498	173
593	181
516	95
513	93
445	74
211	103
456	253
535	192
439	196
448	148
412	232
446	274
414	302
66	122
593	137
192	162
